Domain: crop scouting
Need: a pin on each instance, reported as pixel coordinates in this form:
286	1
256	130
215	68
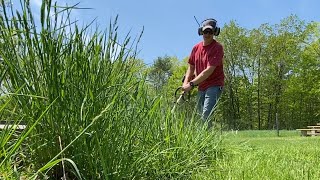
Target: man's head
209	26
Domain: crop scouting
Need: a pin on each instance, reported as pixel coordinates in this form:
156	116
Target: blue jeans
207	101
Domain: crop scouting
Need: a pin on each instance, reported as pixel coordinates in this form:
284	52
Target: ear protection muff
216	29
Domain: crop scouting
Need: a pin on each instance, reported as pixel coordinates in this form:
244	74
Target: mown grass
263	155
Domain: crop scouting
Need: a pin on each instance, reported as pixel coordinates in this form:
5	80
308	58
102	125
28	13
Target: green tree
160	71
234	41
265	68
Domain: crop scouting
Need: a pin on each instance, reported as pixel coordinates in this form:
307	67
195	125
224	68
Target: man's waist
218	81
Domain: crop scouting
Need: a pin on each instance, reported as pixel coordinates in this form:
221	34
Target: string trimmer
182	97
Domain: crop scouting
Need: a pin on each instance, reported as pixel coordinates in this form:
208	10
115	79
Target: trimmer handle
182	95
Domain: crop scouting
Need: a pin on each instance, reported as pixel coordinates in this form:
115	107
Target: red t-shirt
210	55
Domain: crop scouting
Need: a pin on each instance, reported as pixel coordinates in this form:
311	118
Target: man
206	66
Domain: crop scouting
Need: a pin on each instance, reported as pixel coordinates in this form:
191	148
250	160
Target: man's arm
197	80
203	75
189	74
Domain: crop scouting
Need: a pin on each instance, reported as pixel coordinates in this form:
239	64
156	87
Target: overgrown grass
88	110
263	155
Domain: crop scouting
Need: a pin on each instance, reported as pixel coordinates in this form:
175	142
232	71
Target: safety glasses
208	32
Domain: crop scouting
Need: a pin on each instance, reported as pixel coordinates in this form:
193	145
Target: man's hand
186	87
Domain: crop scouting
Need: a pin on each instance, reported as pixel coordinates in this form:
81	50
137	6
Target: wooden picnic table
310	132
17	127
314	127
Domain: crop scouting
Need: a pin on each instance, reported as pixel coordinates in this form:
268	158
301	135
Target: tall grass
102	122
7	141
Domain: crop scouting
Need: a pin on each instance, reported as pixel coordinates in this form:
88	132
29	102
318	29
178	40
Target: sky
169	25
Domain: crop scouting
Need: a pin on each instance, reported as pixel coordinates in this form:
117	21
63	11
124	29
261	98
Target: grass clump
88	110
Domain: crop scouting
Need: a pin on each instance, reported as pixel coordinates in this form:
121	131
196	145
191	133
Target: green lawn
263	155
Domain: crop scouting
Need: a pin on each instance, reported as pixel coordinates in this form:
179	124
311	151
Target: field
91	113
263	155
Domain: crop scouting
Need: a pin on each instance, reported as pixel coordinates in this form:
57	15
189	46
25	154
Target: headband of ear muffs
209	22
